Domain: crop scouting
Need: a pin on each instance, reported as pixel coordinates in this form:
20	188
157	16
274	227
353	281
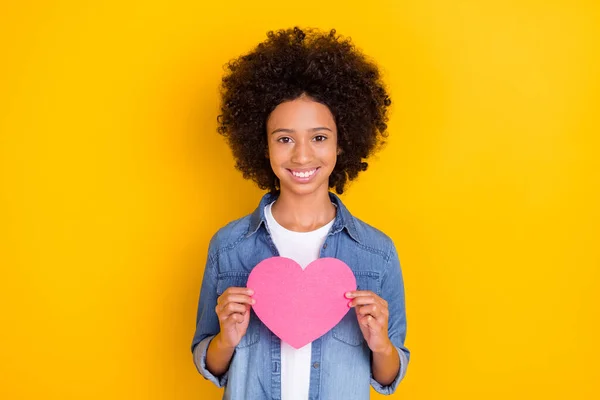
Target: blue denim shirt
340	359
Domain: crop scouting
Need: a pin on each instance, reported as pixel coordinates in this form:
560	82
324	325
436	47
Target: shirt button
325	246
316	365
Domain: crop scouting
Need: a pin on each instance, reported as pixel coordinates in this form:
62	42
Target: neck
303	213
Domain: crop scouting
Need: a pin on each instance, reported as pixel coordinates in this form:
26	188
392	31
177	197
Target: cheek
277	156
271	151
329	154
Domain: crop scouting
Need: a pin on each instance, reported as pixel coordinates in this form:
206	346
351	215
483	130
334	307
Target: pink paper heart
298	305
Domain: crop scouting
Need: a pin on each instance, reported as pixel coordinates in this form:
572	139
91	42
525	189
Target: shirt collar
343	218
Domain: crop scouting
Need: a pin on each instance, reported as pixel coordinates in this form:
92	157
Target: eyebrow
285	130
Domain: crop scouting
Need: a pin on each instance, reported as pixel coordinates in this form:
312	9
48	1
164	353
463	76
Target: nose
302	152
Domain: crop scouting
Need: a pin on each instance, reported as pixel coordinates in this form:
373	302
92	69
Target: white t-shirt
304	248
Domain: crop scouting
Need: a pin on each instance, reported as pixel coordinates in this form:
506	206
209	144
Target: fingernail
250	292
252	301
350	304
348	294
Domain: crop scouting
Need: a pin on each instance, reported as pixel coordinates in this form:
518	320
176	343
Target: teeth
304	174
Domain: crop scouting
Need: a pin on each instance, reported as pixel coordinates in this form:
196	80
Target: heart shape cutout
298	305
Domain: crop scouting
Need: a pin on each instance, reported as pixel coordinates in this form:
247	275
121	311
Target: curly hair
290	63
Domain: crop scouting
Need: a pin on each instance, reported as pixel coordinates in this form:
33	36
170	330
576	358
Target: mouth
303	175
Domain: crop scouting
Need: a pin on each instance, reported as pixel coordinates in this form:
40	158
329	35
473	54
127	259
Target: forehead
301	113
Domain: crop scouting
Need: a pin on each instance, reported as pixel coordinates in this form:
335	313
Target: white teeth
304	174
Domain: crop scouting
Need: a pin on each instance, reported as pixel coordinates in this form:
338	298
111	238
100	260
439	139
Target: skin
372	314
302	136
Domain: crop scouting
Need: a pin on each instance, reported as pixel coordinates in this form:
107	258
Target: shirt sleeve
207	323
392	291
199	352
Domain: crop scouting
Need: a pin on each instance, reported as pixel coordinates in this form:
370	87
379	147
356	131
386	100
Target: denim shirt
341	359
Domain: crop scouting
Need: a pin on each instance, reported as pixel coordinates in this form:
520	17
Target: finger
370	309
374	311
361	301
238	318
364	293
224	310
238	298
241	311
359	293
234	291
235	307
231	308
372	323
233	318
239	290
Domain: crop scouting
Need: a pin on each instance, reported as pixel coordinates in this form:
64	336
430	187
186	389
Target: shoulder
373	239
228	236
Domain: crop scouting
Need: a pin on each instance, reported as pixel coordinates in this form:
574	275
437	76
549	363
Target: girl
301	113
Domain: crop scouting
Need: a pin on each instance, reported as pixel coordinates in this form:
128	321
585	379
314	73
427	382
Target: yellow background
113	179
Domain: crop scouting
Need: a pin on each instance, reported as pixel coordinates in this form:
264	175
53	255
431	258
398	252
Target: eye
320	138
284	139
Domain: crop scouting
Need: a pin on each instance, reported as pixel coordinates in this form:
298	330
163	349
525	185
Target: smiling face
302	138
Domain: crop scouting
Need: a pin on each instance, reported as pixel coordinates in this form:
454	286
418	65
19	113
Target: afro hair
291	63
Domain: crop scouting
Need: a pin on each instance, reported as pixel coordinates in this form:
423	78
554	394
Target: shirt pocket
240	279
347	330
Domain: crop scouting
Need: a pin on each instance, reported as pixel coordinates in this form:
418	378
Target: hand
372	314
233	311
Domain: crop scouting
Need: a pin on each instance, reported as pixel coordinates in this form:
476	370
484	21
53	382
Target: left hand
372	314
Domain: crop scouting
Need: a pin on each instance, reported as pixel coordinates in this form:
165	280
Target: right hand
233	311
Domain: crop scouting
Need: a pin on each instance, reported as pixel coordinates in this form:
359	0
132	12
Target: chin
303	190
